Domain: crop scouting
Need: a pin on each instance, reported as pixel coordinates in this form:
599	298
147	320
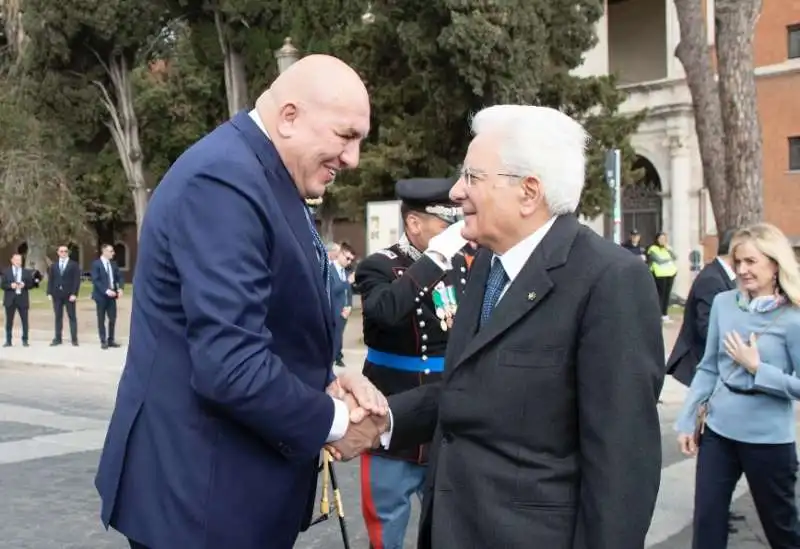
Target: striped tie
494	287
322	254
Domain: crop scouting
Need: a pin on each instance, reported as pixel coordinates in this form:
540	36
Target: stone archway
641	202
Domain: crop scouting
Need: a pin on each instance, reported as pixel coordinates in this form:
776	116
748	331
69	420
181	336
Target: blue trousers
387	486
771	472
338	337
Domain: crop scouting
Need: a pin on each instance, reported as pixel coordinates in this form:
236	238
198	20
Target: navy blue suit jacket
691	342
100	282
221	412
341	294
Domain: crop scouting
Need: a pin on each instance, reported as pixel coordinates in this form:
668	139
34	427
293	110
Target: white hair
543	143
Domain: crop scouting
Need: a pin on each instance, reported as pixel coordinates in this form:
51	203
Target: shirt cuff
386	438
341	420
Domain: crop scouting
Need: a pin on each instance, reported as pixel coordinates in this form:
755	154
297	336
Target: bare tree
37	204
234	66
726	117
693	53
735	29
12	27
124	128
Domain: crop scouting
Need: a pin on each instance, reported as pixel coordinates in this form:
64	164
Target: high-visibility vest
665	266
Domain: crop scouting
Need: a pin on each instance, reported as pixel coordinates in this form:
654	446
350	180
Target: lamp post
368	17
287	55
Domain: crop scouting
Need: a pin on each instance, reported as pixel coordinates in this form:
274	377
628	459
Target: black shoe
104	345
7	344
113	344
74	343
55	342
25	344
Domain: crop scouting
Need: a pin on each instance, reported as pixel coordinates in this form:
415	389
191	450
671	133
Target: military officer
408	305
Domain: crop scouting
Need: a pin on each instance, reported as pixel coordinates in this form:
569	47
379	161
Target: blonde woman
747	382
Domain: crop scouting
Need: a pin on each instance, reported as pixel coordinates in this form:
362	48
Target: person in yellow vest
662	264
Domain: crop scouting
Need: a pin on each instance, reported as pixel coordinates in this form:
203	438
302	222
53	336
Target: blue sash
406	363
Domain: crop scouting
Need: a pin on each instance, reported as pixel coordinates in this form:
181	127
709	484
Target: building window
121	255
794	153
793	32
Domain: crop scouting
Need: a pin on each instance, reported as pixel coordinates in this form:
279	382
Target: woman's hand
743	353
687	444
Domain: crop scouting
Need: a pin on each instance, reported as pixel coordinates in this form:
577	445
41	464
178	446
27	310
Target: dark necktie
494	287
322	254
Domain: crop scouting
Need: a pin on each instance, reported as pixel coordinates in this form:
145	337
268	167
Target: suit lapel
469	311
526	292
291	204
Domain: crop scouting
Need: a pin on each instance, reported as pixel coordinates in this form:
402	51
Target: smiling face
756	272
499	207
322	139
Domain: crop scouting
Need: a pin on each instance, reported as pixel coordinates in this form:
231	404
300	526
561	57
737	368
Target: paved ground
52	422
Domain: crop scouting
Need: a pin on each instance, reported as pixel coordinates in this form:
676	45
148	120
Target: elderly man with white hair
544	428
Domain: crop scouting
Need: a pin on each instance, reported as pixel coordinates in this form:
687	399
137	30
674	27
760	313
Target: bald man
228	395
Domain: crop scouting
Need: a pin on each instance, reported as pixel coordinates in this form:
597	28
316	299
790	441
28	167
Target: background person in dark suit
107	286
717	276
63	287
16	284
544	429
222	410
340	256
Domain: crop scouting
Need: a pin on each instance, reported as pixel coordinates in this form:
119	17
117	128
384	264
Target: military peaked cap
429	195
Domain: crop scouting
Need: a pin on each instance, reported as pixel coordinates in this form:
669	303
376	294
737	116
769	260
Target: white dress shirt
107	266
513	261
727	268
17	273
341	416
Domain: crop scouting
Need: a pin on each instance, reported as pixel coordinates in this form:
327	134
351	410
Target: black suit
691	342
545	429
17	303
60	286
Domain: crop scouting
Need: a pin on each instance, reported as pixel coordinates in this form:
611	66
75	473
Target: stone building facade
637	41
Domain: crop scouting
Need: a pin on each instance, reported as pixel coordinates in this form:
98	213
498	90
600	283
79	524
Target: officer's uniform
407	304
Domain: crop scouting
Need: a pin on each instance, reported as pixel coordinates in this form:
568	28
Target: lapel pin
531	296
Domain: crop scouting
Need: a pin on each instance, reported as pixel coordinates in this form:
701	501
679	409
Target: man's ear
532	195
286	119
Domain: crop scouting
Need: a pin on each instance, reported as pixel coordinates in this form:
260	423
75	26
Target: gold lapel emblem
531	296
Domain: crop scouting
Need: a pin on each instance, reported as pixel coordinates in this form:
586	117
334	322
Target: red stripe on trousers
374	527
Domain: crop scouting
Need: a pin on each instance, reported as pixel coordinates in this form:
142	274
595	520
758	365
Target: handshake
369	415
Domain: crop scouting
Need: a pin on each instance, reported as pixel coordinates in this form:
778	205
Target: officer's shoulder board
388	253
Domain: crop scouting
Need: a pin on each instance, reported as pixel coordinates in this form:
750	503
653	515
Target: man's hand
363	391
346	312
360	437
449	242
13	285
72	298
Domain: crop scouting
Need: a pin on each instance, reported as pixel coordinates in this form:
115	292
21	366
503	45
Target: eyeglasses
471	176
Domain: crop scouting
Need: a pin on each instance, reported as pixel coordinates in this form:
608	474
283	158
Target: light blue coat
766	417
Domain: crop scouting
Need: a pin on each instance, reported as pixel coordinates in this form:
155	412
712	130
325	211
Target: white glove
449	242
